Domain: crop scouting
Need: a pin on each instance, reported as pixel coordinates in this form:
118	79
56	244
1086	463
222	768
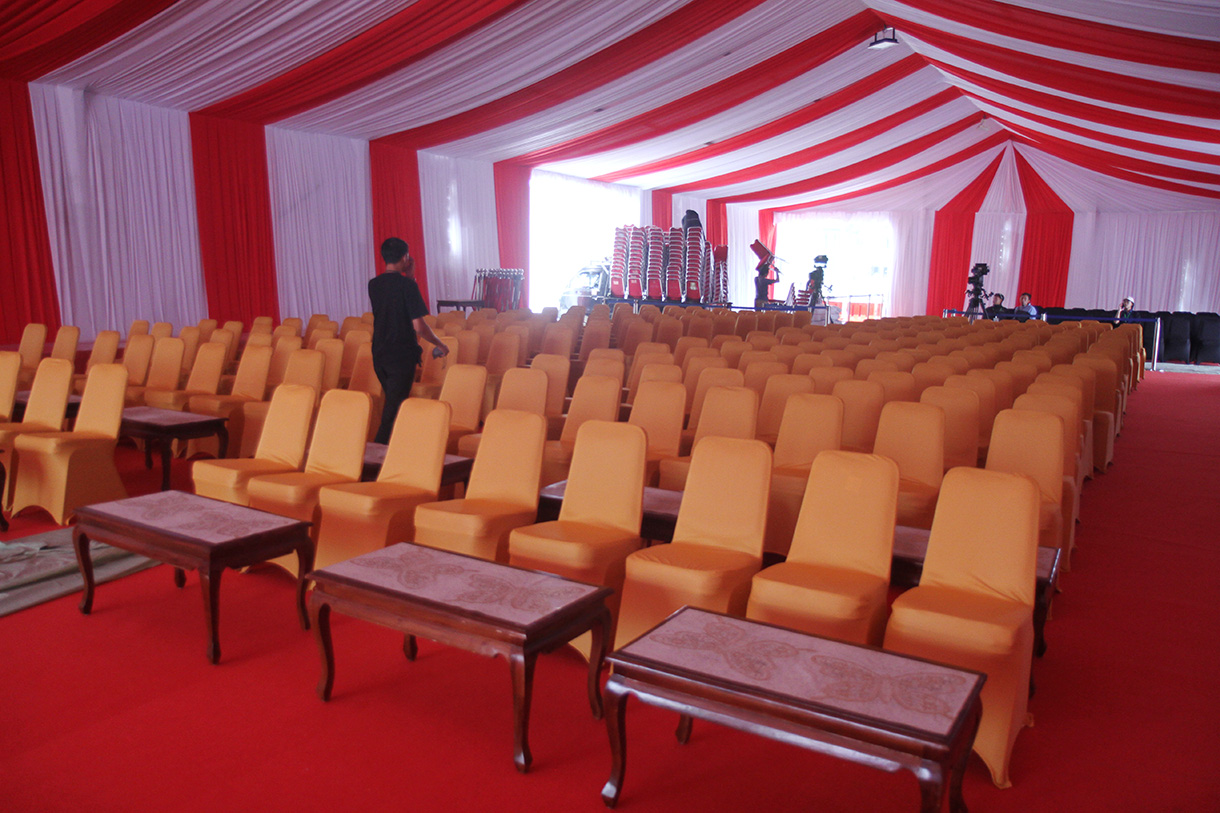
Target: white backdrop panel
459	203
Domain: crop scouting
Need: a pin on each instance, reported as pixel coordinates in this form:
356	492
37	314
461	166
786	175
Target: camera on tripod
977	273
976	293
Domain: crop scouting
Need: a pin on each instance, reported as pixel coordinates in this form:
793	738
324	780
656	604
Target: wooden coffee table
195	533
469	603
22	400
456	469
857	703
163	426
660	509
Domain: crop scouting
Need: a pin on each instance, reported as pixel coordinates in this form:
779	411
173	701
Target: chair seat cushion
961	620
695	570
58	442
371	498
572	545
295	491
809	589
226	479
472	516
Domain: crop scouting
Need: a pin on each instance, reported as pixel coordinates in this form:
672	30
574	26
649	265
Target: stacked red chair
655	267
694	263
635	262
718	286
618	262
674	264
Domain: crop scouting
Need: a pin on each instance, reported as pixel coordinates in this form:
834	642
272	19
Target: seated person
996	307
1125	309
1024	306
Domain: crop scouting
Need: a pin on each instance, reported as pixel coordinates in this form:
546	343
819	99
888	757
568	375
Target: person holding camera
398	321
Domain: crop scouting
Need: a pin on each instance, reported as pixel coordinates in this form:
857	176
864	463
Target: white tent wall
459	202
120	207
322	221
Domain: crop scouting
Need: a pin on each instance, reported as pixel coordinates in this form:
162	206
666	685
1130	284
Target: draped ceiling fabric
233	157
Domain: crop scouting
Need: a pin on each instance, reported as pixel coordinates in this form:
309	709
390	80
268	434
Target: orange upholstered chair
161	330
825	378
362	517
929	375
10	370
974	604
164	370
557	368
305	368
248	387
778	390
332	360
67	338
61	471
280	449
139	327
599	521
105	350
898	386
1022	375
985	389
862	402
1030	443
432	370
658	411
728	412
281	353
812	424
837	573
464	389
136	357
961	408
523	389
596	398
502	493
913	436
336	455
717	543
1106	401
33	340
44	412
710	375
1005	386
204	380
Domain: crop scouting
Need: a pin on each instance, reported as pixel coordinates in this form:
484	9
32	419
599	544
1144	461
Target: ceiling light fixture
885	38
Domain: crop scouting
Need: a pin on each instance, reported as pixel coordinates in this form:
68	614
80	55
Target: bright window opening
860	247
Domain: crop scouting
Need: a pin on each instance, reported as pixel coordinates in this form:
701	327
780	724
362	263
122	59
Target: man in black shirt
996	307
398	317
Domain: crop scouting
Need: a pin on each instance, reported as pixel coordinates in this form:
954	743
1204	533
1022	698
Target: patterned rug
43	566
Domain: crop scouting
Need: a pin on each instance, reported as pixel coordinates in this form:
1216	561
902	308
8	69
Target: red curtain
766	227
952	235
716	222
27	282
1047	250
233	199
397	210
512	182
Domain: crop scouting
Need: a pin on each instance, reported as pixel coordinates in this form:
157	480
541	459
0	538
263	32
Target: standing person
398	319
762	283
1024	306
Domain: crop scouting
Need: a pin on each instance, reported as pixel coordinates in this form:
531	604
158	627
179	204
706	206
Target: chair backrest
293	323
262	324
847	514
463	391
503	352
332	361
812	423
913	436
226	337
862	402
825	378
337	447
898	386
1003	383
557	340
607	367
596	398
1067	411
961	408
867	366
1022	375
105	349
709	377
778	389
557	369
364	378
1105	372
522	331
684	345
66	340
190	348
637	364
10	369
285	330
985	389
724	504
508	465
49	395
1088	381
1068	388
432	369
596	336
523	389
205	372
995	557
286	427
1037	357
757	373
251	379
751	356
165	369
728	412
284	347
351	345
637	331
161	330
305	367
1029	442
659	409
139	327
693	372
136	356
101	405
606	479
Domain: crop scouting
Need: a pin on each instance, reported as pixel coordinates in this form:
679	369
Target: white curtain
743	230
999	232
321	212
120	202
572	224
459	203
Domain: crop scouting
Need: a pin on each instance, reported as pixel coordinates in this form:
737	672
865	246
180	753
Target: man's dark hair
394	249
1001	296
1027	293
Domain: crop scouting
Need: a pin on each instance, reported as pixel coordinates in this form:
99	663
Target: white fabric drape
999	231
321	213
459	204
120	206
743	230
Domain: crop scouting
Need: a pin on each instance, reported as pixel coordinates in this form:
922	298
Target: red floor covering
120	710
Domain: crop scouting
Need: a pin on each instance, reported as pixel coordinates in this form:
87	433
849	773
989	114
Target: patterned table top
165	417
500	592
889	688
211	522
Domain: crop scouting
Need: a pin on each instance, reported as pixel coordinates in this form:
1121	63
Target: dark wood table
459	304
472	604
192	533
161	427
456	468
660	509
857	703
22	400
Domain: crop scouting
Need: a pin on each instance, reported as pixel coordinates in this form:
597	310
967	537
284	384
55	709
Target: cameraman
997	306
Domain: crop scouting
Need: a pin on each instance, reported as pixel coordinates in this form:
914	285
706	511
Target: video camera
977	273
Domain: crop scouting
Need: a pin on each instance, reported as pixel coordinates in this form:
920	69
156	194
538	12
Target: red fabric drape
27	282
512	182
233	199
676	30
662	208
952	235
730	92
397	209
370	55
716	222
766	227
861	168
1047	250
797	118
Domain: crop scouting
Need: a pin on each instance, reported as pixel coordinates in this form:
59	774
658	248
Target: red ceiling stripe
798	118
992	140
861	168
371	55
716	98
826	148
682	27
1114	88
1071	34
1046	251
1085	159
39	36
952	237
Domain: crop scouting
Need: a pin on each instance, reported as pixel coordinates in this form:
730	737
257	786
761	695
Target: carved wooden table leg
81	542
685	722
167	450
597	654
321	631
957	802
522	667
931	787
179	577
209	583
409	647
616	725
3	476
305	556
222	434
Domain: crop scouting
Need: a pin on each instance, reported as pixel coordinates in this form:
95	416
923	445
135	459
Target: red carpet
121	711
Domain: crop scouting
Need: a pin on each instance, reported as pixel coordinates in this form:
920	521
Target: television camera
976	292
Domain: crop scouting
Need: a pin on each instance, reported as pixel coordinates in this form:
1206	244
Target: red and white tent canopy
237	157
